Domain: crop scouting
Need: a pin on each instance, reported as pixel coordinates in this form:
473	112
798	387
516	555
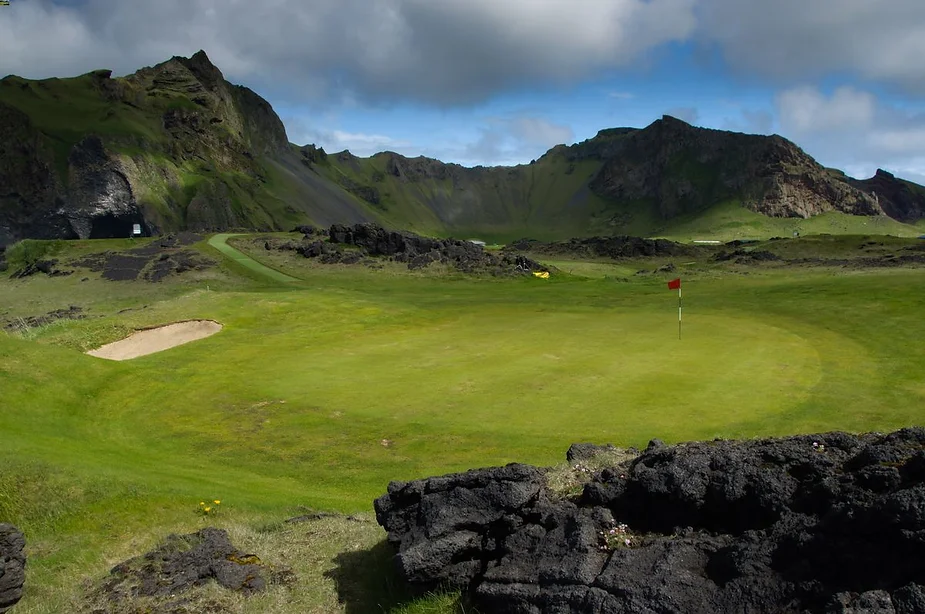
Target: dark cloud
451	52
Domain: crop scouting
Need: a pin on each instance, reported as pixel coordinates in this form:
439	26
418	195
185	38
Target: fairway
321	390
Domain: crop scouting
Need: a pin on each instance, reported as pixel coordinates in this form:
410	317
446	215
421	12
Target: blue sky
501	81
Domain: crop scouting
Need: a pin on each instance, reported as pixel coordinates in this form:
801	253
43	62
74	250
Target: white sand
157	339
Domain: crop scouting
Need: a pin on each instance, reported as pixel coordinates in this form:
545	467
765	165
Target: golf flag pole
676	284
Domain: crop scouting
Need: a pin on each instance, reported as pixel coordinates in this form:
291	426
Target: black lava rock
816	523
12	566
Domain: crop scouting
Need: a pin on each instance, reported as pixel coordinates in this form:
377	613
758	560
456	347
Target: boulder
814	523
12	566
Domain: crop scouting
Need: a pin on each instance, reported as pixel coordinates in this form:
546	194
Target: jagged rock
40	266
901	200
73	312
814	523
12	566
183	562
414	250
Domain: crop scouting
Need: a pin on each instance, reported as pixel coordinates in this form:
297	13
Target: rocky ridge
368	242
815	523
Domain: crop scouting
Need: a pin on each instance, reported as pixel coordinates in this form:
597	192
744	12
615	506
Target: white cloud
806	110
334	140
750	121
507	140
853	130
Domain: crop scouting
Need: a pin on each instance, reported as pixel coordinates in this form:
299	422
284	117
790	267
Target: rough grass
730	220
567	480
318	392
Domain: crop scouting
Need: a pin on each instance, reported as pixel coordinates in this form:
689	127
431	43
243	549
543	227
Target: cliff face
901	200
684	169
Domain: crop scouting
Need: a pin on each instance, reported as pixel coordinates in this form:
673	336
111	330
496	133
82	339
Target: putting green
274	405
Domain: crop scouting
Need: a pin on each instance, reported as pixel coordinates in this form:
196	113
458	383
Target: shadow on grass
368	582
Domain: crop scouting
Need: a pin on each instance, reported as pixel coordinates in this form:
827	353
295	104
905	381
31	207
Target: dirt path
157	339
219	242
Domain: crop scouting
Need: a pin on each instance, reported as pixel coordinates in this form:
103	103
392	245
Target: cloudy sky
501	81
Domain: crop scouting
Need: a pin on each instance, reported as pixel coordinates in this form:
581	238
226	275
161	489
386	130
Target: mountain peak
202	67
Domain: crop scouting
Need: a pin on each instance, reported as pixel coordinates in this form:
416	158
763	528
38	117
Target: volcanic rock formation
815	523
12	566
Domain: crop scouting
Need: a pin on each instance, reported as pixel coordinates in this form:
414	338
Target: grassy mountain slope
176	146
669	179
173	146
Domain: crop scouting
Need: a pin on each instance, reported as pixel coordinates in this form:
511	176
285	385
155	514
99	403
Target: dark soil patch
153	262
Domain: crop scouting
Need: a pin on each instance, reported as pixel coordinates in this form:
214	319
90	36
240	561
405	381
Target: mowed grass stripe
219	242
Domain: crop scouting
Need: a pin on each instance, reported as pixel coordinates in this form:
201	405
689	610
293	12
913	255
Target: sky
486	82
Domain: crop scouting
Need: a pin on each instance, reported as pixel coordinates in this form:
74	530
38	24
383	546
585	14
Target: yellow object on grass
541	274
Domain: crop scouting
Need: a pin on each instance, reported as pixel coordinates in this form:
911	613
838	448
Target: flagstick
679	312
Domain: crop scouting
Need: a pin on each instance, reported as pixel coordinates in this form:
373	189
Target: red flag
674	284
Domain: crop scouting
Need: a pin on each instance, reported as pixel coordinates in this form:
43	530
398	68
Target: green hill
176	147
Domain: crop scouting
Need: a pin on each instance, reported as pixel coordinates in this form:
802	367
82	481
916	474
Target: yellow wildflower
208	509
217	502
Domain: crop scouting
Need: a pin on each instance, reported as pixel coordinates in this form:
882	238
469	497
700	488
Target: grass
320	391
728	221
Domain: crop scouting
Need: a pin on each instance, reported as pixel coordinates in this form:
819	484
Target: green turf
219	242
320	390
729	220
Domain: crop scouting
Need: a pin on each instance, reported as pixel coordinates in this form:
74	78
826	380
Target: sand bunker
157	339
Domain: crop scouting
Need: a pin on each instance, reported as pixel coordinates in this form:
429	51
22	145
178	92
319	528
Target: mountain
170	147
176	146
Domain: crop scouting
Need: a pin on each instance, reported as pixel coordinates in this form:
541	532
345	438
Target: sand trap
157	339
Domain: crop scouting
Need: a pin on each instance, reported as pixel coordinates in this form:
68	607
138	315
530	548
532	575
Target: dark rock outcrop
414	250
12	566
684	169
817	523
183	562
73	312
901	200
608	247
